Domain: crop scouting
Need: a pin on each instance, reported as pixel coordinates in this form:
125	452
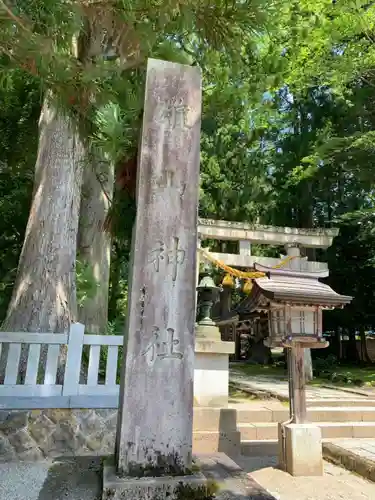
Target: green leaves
87	286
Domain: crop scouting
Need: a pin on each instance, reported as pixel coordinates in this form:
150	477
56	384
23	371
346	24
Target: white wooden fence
72	393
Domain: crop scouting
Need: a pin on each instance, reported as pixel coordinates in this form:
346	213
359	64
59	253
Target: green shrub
322	367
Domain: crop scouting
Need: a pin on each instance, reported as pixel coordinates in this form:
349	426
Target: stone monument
153	456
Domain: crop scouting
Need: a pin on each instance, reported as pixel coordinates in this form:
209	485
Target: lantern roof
292	287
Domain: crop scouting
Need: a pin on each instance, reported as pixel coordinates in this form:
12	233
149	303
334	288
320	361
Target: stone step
269	430
316	414
258	431
312	403
267	447
356	455
260	448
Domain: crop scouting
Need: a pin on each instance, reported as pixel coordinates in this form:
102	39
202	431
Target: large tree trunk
365	358
94	243
352	354
44	295
337	341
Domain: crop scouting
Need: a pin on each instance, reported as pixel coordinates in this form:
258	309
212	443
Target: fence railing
91	384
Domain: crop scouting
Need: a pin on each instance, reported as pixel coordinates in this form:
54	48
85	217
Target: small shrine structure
235	323
293	302
283	308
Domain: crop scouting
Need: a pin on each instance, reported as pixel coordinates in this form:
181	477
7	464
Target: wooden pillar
294	251
298	384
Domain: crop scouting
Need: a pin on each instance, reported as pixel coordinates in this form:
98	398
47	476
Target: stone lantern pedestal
211	367
211	364
215	425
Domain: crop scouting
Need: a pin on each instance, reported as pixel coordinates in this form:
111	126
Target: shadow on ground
80	478
64	478
73	478
234	482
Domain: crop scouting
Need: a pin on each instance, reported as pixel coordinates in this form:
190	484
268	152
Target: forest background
288	136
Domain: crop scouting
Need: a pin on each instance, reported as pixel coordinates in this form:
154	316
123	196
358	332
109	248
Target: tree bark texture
44	294
94	243
365	358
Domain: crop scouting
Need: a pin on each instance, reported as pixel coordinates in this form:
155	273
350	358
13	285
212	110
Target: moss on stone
195	468
204	492
164	465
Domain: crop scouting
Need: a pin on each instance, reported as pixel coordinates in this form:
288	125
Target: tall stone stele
154	432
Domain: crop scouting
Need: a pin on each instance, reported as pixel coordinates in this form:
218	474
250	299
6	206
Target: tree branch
13	16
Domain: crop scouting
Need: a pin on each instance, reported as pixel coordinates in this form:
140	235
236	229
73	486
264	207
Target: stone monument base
300	454
194	486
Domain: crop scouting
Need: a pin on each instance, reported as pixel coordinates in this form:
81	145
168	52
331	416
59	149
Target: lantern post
294	301
296	327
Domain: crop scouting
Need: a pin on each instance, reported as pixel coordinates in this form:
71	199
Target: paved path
234	482
279	388
336	484
364	448
357	455
80	479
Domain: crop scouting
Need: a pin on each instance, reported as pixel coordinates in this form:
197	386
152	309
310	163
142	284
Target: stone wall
37	434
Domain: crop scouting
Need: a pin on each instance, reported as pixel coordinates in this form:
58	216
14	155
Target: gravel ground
70	479
80	479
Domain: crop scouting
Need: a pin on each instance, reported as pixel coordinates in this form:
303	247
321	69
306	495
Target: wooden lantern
290	322
293	301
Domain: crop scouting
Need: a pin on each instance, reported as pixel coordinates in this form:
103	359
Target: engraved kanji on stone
173	113
157	255
176	142
163	349
167	179
176	256
173	257
151	139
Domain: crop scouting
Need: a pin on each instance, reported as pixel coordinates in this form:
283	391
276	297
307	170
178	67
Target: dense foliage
288	124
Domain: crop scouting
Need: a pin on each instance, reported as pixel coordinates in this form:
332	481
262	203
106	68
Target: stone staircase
258	423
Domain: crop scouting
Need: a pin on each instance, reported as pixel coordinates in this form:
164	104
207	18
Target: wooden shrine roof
286	286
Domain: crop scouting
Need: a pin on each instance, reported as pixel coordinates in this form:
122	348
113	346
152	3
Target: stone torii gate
293	240
246	234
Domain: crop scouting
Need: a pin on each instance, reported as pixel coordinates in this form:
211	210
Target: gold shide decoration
228	280
235	272
248	286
